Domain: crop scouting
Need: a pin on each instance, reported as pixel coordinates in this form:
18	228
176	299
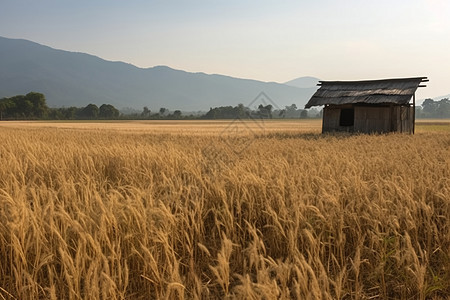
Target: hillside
304	82
77	79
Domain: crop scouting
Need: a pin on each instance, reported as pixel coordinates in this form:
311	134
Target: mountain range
77	79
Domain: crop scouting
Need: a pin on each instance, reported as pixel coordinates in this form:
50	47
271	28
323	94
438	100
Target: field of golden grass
213	210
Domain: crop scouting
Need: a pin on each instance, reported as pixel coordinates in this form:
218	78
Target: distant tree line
292	112
162	114
89	112
262	111
434	109
33	106
29	106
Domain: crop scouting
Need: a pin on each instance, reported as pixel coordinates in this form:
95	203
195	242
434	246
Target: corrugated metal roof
397	91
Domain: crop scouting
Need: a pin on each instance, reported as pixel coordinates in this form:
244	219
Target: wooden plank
330	119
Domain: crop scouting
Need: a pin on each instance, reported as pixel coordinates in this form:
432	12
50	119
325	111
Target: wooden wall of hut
331	117
403	119
370	119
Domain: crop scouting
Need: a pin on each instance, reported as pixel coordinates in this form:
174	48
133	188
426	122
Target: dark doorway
347	117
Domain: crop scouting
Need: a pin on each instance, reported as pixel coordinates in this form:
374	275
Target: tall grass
122	215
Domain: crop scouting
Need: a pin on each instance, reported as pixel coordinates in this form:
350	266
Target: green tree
22	108
107	111
291	111
265	112
177	114
162	111
89	112
32	105
6	104
146	112
55	114
70	113
38	104
430	107
241	111
436	109
303	114
444	108
227	112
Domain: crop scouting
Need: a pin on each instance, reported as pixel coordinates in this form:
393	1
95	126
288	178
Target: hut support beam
414	114
392	118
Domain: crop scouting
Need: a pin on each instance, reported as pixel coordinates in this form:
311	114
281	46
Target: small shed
368	106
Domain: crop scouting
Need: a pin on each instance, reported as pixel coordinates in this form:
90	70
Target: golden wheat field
222	210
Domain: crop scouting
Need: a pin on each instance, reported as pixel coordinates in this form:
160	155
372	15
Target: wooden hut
368	106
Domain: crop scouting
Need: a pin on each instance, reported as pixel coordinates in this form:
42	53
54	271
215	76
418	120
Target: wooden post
392	118
401	119
414	113
323	118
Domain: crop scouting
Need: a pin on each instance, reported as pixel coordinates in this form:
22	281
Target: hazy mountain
304	82
77	79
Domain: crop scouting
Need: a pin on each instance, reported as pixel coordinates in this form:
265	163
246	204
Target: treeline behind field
261	112
33	106
29	106
430	108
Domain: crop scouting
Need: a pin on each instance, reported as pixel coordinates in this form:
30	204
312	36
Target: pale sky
262	40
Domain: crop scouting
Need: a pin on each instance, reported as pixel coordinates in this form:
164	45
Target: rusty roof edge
420	79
